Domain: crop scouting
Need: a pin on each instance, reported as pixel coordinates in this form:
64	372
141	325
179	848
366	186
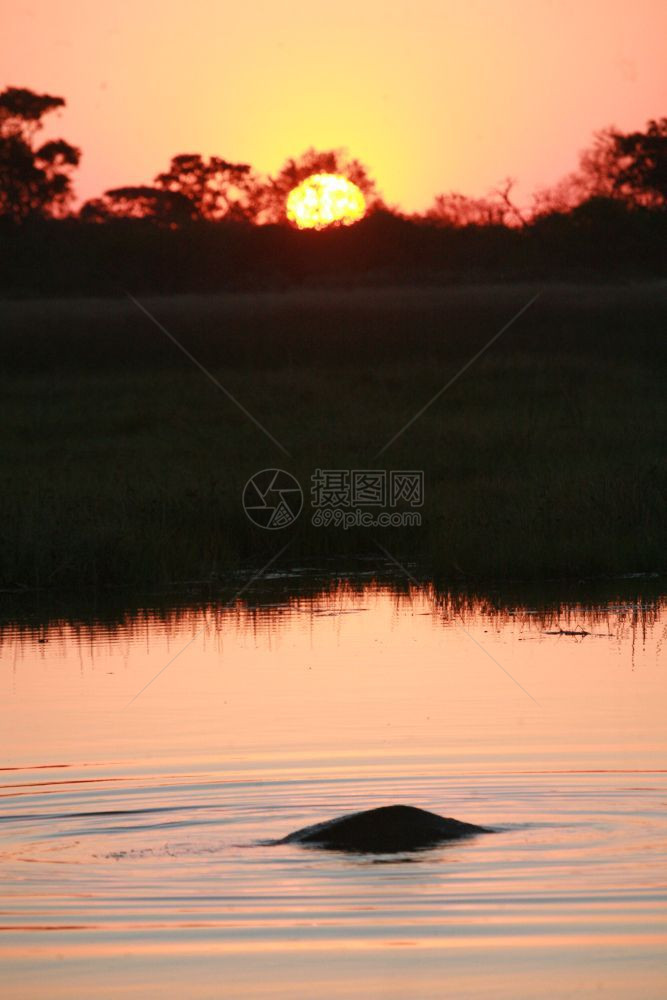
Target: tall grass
122	463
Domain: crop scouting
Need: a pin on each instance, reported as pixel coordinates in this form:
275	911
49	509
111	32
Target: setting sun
323	200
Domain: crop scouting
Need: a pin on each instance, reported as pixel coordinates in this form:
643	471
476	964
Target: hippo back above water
386	830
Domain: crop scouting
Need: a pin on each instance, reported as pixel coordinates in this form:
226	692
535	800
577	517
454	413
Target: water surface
144	761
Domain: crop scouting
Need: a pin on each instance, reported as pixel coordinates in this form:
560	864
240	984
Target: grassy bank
123	464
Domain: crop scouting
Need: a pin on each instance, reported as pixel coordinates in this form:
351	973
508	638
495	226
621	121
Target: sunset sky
433	95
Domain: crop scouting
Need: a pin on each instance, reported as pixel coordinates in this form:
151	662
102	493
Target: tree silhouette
216	188
165	208
34	182
457	210
641	174
629	168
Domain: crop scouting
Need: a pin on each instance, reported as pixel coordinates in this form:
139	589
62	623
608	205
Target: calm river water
144	759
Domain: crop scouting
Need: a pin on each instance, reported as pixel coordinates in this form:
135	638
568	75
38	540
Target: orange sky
432	95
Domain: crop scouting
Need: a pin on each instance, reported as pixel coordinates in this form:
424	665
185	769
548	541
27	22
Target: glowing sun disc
323	200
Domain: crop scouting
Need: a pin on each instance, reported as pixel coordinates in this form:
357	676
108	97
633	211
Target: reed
123	464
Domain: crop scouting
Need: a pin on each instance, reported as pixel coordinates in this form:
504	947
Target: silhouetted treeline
598	239
208	224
